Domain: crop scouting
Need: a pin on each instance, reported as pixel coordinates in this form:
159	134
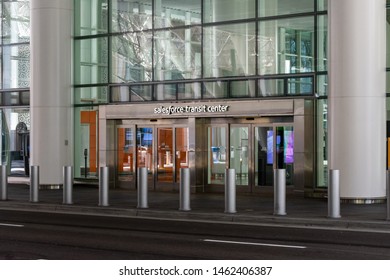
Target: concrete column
357	113
51	88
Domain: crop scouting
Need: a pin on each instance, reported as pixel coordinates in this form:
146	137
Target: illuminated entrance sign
208	109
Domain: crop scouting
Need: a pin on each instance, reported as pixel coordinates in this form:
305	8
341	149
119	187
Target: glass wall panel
120	94
282	7
131	93
322	85
215	89
165	92
286	46
229	50
91	17
145	148
86	142
165	159
24	97
125	156
131	57
239	154
141	93
285	151
300	86
90	95
264	156
322	5
189	91
131	15
14	98
16	66
322	43
271	87
225	10
216	155
172	13
321	147
178	54
16	22
91	61
182	144
15	140
243	88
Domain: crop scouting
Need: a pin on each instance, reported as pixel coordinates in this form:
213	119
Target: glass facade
169	50
211	41
228	50
14	85
283	7
158	50
128	51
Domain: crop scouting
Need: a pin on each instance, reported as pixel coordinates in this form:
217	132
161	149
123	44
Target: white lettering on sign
170	110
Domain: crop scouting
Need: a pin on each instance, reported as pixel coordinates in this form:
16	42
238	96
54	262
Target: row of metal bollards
142	189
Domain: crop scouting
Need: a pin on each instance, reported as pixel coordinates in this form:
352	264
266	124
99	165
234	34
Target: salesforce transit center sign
188	109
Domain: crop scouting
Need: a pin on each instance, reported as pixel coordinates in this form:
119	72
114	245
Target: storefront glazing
14	86
145	51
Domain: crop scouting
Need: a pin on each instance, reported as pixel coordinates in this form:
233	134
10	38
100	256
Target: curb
259	220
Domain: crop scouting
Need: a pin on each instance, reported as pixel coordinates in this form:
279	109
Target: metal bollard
388	193
280	192
334	194
230	191
67	185
3	182
185	189
103	186
34	183
142	187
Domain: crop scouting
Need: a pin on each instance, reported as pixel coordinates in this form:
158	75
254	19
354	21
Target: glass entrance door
264	156
125	157
239	153
162	150
145	151
165	160
216	154
172	154
254	152
181	150
274	148
285	151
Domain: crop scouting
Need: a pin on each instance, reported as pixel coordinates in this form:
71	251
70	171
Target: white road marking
254	244
10	225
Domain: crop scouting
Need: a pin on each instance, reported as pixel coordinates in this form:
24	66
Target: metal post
142	187
103	186
185	189
68	185
34	183
3	182
85	162
334	194
230	191
280	192
388	193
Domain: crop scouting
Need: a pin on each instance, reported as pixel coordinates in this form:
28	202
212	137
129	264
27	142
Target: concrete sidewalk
255	208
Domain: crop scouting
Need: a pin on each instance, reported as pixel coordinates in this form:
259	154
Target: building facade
201	84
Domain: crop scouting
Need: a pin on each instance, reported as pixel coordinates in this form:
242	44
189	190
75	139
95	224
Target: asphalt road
35	235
